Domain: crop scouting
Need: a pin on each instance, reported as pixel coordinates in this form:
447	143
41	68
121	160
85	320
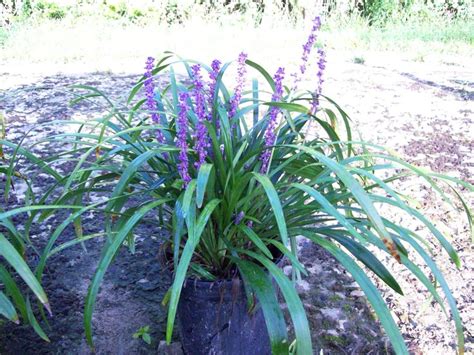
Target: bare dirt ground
422	111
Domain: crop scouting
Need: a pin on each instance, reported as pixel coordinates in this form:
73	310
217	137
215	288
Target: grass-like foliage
15	304
235	172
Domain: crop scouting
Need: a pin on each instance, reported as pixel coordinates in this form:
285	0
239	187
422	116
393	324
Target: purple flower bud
150	99
216	67
240	216
201	138
250	224
319	85
307	47
241	72
270	133
181	135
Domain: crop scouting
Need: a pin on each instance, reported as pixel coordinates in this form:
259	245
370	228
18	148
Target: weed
325	324
144	334
335	339
359	60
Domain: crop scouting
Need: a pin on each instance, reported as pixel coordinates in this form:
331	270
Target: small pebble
172	349
357	293
302	286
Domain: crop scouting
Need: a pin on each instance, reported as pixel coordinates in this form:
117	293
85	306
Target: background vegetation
381	24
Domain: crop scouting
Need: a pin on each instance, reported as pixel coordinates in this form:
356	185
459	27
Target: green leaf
295	307
266	294
129	172
468	213
276	205
108	255
178	284
358	193
188	196
262	71
256	240
203	178
34	322
204	217
255	93
146	338
369	260
412	212
13	290
369	289
31	157
195	229
17	262
330	209
7	309
291	107
405	235
178	230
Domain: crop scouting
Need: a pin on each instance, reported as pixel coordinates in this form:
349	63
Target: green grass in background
455	35
382	26
3	35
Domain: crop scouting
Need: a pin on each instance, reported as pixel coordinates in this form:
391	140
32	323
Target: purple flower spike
241	72
216	67
150	99
270	133
318	90
201	138
307	47
181	143
240	216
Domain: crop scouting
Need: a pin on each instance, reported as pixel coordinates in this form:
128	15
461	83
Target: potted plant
234	173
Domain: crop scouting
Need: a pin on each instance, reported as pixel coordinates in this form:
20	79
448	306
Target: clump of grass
50	10
358	60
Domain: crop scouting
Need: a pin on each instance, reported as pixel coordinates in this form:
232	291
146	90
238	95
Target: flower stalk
181	138
150	97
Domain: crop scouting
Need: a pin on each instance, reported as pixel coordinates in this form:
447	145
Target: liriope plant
15	303
235	174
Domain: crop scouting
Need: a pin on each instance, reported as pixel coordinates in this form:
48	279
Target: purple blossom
201	138
307	47
150	99
181	135
250	224
216	67
241	72
240	216
319	85
270	133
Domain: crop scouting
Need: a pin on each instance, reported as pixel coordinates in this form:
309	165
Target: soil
422	111
129	298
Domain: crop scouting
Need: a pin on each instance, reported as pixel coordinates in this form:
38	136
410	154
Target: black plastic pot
213	318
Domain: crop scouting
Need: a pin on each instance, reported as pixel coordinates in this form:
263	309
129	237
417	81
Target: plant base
213	318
